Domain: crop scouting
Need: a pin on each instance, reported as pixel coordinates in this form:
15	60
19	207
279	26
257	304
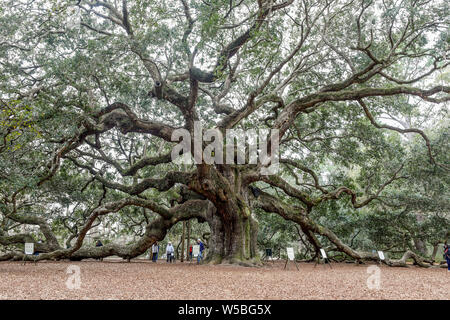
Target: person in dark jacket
447	256
98	243
202	248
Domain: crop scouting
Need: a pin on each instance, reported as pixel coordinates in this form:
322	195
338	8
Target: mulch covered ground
114	279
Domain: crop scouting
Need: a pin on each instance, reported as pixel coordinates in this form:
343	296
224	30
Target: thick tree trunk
182	241
233	229
435	250
188	239
420	247
233	240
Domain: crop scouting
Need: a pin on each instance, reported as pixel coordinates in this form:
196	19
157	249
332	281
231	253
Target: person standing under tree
155	251
169	252
98	243
202	248
447	256
36	252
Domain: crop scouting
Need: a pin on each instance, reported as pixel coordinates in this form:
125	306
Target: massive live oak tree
92	91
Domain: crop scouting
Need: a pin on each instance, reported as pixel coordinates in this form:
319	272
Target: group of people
170	252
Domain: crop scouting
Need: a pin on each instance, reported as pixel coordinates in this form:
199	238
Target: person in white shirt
169	252
155	251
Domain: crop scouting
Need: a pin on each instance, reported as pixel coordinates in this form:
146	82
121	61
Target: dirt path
145	280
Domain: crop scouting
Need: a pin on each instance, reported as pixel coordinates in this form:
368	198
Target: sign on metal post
29	251
290	253
195	251
29	248
324	257
323	253
291	257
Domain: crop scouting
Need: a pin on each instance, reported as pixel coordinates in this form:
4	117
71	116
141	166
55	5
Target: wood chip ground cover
142	279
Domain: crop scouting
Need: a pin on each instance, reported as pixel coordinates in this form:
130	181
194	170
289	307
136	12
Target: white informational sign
29	248
381	255
324	255
195	250
290	253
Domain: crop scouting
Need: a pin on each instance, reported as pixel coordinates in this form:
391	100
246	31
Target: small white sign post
291	257
381	256
29	251
195	251
323	253
29	248
290	253
324	257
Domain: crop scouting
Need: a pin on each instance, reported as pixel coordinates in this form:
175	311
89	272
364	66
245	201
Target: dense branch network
223	190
